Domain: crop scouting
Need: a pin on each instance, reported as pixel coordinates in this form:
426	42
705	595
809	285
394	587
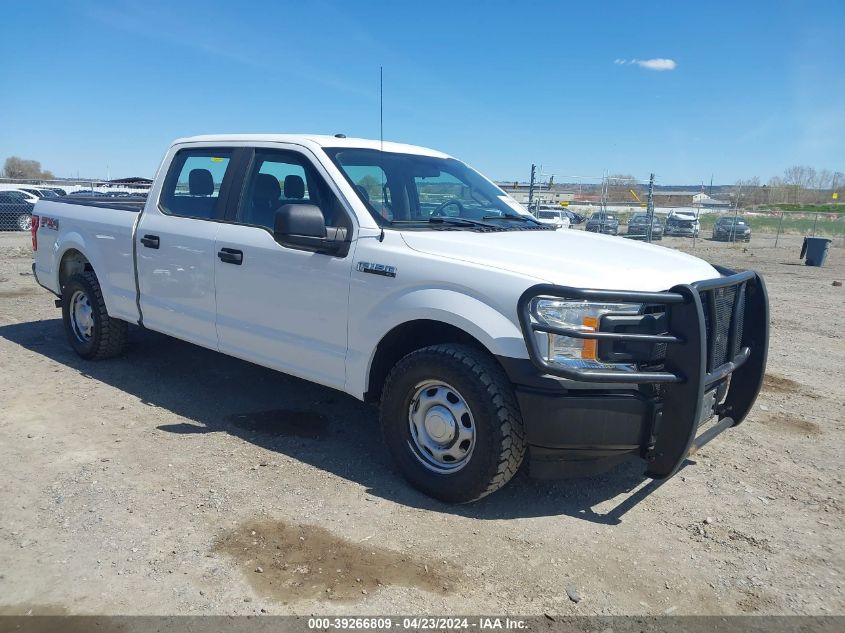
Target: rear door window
192	186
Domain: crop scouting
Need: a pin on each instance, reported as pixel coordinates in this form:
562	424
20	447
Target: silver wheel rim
25	222
442	427
81	316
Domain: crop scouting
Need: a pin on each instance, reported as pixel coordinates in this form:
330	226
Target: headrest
266	188
200	182
364	193
294	187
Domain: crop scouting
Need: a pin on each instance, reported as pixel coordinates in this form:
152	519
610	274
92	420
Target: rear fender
76	241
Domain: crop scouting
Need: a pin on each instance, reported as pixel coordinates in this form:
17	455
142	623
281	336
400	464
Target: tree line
799	184
22	169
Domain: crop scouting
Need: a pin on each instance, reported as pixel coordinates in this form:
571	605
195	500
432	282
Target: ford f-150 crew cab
402	276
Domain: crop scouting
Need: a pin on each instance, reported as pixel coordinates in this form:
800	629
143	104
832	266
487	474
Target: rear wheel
24	222
90	330
451	422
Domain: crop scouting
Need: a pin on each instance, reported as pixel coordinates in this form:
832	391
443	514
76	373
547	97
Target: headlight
584	316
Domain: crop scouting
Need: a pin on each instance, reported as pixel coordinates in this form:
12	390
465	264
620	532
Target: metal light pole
736	213
650	207
531	187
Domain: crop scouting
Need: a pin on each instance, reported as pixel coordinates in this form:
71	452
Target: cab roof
318	140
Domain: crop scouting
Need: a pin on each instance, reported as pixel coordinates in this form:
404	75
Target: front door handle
231	256
150	241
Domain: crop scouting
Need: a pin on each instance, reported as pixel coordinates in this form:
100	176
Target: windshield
548	215
643	219
732	221
424	191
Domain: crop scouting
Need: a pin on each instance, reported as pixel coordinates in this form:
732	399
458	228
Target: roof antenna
381	137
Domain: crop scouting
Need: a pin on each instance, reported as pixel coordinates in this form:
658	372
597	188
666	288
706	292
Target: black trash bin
815	248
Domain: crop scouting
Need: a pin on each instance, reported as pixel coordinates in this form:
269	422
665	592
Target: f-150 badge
377	269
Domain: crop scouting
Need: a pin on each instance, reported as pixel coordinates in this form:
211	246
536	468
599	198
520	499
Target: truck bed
100	228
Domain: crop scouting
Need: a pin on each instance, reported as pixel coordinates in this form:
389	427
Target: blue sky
101	88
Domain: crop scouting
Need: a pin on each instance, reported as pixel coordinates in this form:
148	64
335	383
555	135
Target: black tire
107	337
499	439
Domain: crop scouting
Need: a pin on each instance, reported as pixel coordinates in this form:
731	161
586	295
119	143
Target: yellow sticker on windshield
216	159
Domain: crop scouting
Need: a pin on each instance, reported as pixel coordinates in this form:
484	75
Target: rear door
277	305
175	246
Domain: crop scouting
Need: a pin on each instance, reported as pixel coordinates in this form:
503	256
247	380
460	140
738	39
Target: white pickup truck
402	276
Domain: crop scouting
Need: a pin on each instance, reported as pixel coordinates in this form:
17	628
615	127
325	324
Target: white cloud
658	63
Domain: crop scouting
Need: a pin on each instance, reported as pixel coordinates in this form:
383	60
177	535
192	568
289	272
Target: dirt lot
178	481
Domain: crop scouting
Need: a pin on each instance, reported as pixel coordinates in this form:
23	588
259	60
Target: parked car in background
31	198
89	193
574	218
38	192
15	211
58	191
603	222
554	217
638	227
731	229
682	224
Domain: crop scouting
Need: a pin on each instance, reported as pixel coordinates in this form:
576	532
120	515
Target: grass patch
802	208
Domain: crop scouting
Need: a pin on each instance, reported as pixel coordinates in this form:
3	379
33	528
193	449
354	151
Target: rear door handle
231	256
150	241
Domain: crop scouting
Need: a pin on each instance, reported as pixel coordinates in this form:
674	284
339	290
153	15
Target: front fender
499	334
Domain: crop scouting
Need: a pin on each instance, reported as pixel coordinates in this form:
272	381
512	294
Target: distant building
133	180
542	194
701	199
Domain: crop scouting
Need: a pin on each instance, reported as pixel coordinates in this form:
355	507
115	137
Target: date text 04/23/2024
417	623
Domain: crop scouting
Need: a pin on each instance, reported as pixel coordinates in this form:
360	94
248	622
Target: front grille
724	313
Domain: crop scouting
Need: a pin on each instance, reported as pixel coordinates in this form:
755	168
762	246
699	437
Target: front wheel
451	422
24	222
92	333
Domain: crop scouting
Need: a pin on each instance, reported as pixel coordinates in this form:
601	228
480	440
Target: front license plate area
708	403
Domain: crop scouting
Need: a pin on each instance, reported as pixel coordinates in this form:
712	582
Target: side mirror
303	226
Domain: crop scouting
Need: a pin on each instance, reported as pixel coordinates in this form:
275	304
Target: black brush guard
701	352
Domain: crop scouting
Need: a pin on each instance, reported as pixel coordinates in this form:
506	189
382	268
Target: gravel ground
175	480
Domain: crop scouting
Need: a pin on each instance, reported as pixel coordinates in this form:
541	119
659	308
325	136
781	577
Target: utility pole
650	207
531	187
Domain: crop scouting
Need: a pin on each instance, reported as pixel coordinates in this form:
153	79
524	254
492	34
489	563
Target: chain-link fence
15	212
619	205
18	197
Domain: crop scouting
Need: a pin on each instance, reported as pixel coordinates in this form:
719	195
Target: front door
279	306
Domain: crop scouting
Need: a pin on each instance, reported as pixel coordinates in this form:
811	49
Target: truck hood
568	257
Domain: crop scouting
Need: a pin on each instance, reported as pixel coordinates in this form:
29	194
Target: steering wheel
439	210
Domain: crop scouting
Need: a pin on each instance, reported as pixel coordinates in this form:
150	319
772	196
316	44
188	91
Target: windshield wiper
445	219
511	216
